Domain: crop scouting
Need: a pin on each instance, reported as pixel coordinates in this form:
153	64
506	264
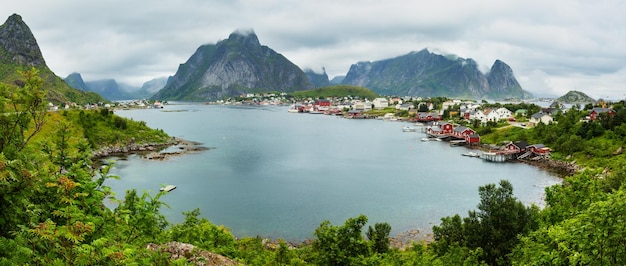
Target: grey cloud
568	42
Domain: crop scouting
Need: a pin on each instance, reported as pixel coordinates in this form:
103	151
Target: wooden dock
498	156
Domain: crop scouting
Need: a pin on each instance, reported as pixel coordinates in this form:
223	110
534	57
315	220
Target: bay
276	174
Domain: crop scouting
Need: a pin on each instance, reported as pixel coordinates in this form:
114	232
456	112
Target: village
441	119
450	121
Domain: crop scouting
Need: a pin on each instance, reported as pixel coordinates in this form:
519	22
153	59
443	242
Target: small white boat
168	188
425	139
471	154
408	129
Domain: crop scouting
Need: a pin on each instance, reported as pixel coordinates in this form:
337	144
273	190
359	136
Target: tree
379	236
23	113
597	236
493	228
341	245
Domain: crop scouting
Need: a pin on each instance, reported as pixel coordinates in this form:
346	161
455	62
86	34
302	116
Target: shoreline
402	240
151	151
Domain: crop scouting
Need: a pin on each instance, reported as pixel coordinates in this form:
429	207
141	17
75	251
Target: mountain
19	51
110	89
318	80
575	97
337	80
114	91
151	87
75	80
428	74
237	65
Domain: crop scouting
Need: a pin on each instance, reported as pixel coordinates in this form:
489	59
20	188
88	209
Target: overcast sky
552	46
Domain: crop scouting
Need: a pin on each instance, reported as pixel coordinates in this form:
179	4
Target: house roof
600	110
520	144
460	129
539	114
435	129
538	146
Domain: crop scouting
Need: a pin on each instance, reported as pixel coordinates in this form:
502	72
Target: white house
491	115
380	103
479	115
541	117
504	113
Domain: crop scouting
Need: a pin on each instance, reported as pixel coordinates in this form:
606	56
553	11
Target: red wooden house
539	149
595	112
427	117
517	147
472	139
461	132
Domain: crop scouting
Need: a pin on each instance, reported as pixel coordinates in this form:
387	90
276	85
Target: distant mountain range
240	64
428	74
19	51
237	65
111	90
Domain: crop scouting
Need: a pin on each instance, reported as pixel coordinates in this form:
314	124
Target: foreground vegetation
52	212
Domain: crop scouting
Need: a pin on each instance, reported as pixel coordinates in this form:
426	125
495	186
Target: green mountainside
235	66
575	97
19	51
427	74
337	91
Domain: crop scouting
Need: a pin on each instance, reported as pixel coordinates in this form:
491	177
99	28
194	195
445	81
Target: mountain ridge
237	65
19	51
427	74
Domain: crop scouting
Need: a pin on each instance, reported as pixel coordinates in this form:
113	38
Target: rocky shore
151	151
191	254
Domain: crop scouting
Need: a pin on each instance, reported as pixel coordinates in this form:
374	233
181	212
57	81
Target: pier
496	156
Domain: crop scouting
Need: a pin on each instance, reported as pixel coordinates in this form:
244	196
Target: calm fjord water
279	175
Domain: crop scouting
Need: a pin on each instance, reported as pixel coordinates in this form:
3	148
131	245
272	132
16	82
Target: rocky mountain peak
19	43
247	38
75	80
235	66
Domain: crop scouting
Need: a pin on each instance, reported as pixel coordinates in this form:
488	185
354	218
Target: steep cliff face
318	80
19	44
502	82
232	67
427	74
19	51
75	80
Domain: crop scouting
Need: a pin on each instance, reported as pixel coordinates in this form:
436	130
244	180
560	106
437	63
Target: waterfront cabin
539	149
322	105
446	128
517	147
461	132
472	139
427	117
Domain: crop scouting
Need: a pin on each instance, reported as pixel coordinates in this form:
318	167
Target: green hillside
336	91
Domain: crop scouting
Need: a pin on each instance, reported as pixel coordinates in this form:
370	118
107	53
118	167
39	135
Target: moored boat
167	188
408	129
471	154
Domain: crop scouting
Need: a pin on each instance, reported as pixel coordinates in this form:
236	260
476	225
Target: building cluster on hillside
131	104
